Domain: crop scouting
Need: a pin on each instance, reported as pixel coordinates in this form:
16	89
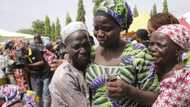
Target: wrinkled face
162	49
79	49
106	30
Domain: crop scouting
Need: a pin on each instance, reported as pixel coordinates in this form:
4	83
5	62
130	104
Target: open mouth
101	40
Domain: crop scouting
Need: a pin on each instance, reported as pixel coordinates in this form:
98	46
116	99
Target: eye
151	43
161	45
107	29
75	45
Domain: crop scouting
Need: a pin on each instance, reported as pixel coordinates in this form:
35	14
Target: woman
68	87
116	63
160	19
167	44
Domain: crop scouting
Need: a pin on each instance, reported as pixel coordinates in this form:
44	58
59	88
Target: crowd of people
150	69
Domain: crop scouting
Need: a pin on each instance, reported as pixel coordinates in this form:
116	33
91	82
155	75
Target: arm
143	97
119	88
40	60
36	64
145	87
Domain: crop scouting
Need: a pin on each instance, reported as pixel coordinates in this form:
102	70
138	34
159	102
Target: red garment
49	56
21	78
175	90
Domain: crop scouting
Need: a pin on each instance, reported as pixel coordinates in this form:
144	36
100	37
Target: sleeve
57	101
175	90
143	67
55	91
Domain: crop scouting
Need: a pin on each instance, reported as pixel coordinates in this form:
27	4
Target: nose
82	50
153	48
100	33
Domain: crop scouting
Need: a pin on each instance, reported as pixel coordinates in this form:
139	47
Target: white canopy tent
4	33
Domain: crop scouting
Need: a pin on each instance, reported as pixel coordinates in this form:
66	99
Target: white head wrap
72	27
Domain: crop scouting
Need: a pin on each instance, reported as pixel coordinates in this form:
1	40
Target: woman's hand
117	88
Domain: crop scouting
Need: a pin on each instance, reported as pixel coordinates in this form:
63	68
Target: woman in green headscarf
119	71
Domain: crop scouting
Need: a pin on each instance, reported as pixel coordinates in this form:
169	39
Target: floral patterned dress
175	90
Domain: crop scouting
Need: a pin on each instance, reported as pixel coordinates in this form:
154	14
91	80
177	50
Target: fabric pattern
136	69
175	90
68	87
21	79
12	94
178	34
119	10
48	56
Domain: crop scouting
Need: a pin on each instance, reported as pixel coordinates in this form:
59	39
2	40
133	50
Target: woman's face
79	49
106	30
162	49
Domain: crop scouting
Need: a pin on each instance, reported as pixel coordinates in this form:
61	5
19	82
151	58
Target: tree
38	27
165	6
26	31
53	31
154	10
151	13
96	5
57	28
68	19
135	12
47	27
80	11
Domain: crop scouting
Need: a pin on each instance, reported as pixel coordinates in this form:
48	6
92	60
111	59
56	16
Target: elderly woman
117	65
167	44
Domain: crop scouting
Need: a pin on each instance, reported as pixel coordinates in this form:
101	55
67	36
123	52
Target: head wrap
11	94
119	10
179	34
73	27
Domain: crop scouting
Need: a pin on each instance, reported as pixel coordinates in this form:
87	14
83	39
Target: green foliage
154	10
57	28
165	6
96	5
80	11
26	31
38	27
68	19
53	31
47	27
135	12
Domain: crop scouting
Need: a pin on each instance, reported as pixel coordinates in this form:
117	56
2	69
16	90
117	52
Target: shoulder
64	73
62	69
136	51
135	48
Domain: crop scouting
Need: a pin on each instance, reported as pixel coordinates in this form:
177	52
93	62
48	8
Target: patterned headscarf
12	94
119	10
179	34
